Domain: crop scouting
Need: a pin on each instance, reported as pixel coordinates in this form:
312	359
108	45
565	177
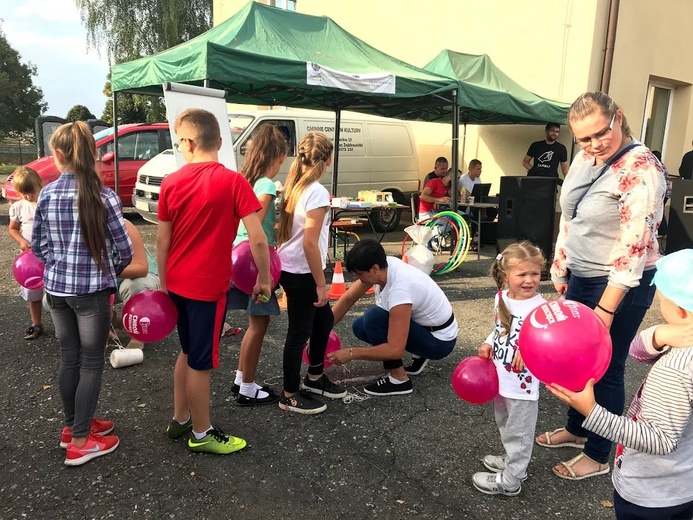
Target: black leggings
306	321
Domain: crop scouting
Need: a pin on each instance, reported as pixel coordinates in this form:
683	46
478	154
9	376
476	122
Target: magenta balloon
333	344
149	316
475	380
28	270
244	271
565	342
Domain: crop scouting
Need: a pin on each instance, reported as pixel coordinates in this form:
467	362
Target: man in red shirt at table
436	191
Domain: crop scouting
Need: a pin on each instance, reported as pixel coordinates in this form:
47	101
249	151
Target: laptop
480	192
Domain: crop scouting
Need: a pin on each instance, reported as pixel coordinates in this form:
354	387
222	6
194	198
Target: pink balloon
150	316
565	342
28	270
244	273
475	380
333	344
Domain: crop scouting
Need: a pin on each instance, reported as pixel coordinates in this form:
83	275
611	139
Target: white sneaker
496	464
490	484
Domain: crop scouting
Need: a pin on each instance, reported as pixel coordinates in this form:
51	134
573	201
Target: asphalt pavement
377	457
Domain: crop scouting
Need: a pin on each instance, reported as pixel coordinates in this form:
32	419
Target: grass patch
6	169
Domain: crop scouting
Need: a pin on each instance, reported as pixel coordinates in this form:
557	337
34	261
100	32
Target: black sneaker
236	389
386	387
244	400
301	402
417	366
323	386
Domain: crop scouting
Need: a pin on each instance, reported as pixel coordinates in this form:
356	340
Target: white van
375	154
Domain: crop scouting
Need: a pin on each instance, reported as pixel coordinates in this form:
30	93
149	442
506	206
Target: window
657	113
136	146
289	5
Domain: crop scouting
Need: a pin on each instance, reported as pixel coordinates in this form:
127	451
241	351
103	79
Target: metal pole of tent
455	150
335	159
115	144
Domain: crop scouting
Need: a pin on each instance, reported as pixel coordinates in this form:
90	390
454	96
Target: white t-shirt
291	253
513	385
408	285
467	183
23	212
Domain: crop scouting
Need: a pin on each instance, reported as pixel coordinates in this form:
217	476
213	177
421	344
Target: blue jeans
372	328
81	324
609	391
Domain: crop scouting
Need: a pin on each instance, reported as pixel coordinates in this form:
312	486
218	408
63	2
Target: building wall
653	43
551	47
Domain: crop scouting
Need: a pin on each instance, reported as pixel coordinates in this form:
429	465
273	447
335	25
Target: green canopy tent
488	96
269	56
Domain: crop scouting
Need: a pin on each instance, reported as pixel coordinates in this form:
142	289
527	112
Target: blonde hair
268	145
204	126
589	102
25	181
512	255
313	152
76	144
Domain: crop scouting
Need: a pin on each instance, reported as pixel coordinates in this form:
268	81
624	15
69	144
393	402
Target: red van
137	143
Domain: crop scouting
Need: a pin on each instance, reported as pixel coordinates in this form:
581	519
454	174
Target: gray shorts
237	299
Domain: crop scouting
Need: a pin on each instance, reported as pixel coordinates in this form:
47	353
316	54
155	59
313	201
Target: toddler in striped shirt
654	459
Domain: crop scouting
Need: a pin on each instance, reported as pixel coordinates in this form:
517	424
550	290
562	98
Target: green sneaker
176	430
216	442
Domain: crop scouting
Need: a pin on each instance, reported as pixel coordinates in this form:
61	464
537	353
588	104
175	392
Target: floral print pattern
641	181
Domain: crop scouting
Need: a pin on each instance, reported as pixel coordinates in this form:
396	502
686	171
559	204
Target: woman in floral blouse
612	202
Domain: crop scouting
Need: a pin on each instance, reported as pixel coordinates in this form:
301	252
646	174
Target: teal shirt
263	186
151	263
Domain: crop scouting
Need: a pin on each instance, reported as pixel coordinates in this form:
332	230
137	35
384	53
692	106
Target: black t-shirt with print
546	158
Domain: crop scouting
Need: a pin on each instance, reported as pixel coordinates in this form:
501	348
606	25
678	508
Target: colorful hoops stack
463	240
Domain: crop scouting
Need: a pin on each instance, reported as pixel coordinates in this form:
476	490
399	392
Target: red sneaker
96	446
98	427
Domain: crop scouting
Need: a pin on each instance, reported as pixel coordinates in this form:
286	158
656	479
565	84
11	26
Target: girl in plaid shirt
80	235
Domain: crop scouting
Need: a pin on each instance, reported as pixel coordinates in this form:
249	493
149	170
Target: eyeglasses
599	136
176	145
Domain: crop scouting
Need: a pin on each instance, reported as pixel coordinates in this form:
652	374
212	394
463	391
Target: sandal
33	332
549	444
572	476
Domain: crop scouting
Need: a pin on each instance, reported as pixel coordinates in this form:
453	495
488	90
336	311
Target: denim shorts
237	299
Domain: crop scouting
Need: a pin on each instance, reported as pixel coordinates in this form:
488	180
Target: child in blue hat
654	459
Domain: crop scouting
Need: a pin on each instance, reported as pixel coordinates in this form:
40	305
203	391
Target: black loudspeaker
527	210
680	234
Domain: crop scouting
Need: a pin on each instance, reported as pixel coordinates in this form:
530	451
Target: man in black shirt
543	157
440	169
686	168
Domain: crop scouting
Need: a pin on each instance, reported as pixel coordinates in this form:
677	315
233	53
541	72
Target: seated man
141	274
411	313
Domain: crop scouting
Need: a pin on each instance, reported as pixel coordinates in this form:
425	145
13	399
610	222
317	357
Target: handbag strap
607	165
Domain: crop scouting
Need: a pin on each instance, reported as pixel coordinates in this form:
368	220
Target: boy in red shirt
436	191
200	207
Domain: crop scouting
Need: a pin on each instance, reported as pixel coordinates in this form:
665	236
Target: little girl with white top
517	272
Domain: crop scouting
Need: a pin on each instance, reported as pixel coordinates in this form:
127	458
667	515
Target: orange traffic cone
338	286
282	300
371	290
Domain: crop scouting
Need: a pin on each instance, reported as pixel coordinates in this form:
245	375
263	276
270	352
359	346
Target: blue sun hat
674	278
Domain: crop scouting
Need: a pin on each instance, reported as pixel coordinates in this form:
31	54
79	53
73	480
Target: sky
49	34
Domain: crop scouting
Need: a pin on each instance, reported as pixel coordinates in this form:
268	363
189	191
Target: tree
126	28
133	108
21	102
79	113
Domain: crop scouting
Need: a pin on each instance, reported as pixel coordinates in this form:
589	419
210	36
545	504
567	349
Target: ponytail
76	143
